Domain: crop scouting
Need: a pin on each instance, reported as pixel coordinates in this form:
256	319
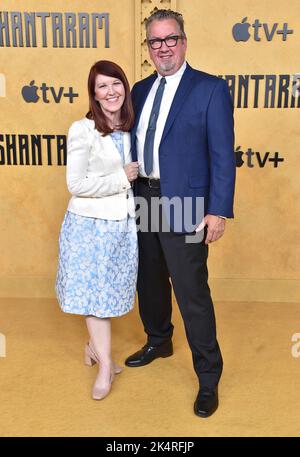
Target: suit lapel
184	88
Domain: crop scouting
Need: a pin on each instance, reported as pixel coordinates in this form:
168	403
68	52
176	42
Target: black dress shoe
207	402
148	353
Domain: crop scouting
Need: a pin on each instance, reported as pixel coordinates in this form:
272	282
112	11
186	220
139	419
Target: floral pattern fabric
97	267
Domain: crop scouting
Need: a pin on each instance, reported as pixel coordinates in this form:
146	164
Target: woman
98	244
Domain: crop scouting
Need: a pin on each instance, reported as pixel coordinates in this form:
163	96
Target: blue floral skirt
97	268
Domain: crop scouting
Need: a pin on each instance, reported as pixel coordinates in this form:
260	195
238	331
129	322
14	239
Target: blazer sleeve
220	131
78	182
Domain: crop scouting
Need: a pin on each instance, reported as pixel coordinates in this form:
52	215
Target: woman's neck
113	120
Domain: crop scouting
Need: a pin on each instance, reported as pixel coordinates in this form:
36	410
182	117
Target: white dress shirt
172	83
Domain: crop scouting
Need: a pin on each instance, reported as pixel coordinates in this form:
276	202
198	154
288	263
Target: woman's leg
100	342
100	337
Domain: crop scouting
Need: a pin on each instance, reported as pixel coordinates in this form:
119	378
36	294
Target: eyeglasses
170	41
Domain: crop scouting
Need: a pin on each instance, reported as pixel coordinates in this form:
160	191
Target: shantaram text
19	149
58	30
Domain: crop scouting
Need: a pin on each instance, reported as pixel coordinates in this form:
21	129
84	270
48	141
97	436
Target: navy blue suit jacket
196	152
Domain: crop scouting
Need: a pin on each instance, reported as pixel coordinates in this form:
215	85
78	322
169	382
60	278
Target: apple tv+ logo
240	31
30	93
256	158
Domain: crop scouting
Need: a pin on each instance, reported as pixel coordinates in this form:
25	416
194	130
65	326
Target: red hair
107	68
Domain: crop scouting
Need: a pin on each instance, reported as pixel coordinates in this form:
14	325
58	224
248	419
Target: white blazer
95	174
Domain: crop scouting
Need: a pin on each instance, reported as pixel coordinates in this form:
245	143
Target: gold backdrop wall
258	258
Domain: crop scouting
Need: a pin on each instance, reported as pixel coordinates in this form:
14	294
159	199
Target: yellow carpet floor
45	388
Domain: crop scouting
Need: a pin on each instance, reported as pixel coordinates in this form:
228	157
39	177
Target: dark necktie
149	140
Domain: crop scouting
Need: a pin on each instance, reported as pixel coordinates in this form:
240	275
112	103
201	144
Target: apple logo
240	31
29	93
238	157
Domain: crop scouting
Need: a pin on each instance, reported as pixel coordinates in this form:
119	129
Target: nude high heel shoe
100	392
90	359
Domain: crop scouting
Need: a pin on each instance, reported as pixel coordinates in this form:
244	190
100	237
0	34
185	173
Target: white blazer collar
106	139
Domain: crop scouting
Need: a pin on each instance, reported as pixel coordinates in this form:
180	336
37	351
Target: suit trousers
165	256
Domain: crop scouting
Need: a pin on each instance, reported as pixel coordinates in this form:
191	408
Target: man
183	139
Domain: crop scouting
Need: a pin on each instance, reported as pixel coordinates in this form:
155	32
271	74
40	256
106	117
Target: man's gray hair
160	15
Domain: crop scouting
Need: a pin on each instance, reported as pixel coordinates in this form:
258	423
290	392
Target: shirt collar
176	75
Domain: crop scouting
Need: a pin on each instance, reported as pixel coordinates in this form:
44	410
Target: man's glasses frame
170	41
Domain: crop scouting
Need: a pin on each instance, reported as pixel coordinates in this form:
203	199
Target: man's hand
215	227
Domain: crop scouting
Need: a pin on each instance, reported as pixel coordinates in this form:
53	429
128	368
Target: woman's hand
131	170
